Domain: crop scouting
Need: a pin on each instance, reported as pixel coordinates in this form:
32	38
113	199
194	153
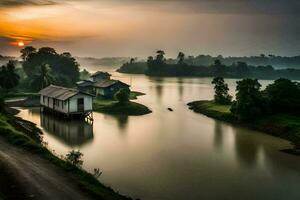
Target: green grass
211	109
19	95
113	107
134	95
86	181
286	126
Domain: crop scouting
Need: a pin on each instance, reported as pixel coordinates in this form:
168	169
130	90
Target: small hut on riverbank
67	101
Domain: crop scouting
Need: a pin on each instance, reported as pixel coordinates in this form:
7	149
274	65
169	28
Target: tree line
282	96
158	65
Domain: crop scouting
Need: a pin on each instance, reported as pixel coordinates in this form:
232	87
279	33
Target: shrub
75	158
122	96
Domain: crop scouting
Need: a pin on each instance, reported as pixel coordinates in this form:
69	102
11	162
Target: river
178	155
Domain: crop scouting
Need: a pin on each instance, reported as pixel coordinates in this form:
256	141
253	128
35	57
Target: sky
137	28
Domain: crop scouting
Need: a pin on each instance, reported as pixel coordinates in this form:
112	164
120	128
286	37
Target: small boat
170	109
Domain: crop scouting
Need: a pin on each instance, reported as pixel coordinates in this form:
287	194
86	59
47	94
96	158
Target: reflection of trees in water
218	139
71	132
122	121
159	87
180	88
246	148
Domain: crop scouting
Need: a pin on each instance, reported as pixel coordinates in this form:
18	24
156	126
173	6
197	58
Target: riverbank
49	169
130	108
285	126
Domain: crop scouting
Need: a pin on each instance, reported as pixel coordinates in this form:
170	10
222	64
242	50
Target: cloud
268	7
248	7
14	3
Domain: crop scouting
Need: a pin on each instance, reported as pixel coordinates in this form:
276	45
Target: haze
139	27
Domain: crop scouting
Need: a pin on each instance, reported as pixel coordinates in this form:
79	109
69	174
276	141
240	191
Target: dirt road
27	176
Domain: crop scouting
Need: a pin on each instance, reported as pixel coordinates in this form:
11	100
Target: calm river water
176	155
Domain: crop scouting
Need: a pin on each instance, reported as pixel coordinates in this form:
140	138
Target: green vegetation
275	110
122	96
221	91
85	180
249	102
114	107
286	126
45	66
134	95
75	158
9	79
43	78
206	66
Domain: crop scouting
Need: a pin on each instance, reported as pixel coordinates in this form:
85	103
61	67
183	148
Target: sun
21	44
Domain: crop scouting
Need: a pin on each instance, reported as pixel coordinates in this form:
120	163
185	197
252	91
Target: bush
122	96
74	158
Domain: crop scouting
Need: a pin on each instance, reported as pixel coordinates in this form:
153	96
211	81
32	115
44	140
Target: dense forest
160	66
40	68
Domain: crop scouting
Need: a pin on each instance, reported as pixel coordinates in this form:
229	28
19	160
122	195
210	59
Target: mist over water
176	155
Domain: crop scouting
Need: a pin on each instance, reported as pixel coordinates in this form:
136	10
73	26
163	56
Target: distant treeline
159	66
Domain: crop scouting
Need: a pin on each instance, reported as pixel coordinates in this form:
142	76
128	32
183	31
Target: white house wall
88	103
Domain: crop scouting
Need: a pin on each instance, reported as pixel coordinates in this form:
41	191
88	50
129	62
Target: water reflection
71	132
159	87
218	136
246	148
180	88
122	121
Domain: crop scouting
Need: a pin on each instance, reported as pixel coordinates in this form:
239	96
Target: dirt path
27	176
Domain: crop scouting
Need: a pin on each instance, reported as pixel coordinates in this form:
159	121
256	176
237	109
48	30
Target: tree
132	60
242	70
26	52
43	78
84	75
64	67
283	96
218	68
48	50
181	57
160	57
221	91
8	77
122	96
150	60
249	102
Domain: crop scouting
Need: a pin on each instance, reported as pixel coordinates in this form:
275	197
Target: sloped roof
60	93
85	83
107	83
101	73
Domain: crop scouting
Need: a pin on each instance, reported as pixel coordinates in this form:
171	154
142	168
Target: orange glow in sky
21	44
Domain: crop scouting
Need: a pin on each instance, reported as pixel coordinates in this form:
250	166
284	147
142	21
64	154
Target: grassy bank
281	125
134	95
86	181
113	107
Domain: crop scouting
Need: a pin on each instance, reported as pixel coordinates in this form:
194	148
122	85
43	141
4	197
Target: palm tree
180	58
160	57
43	78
